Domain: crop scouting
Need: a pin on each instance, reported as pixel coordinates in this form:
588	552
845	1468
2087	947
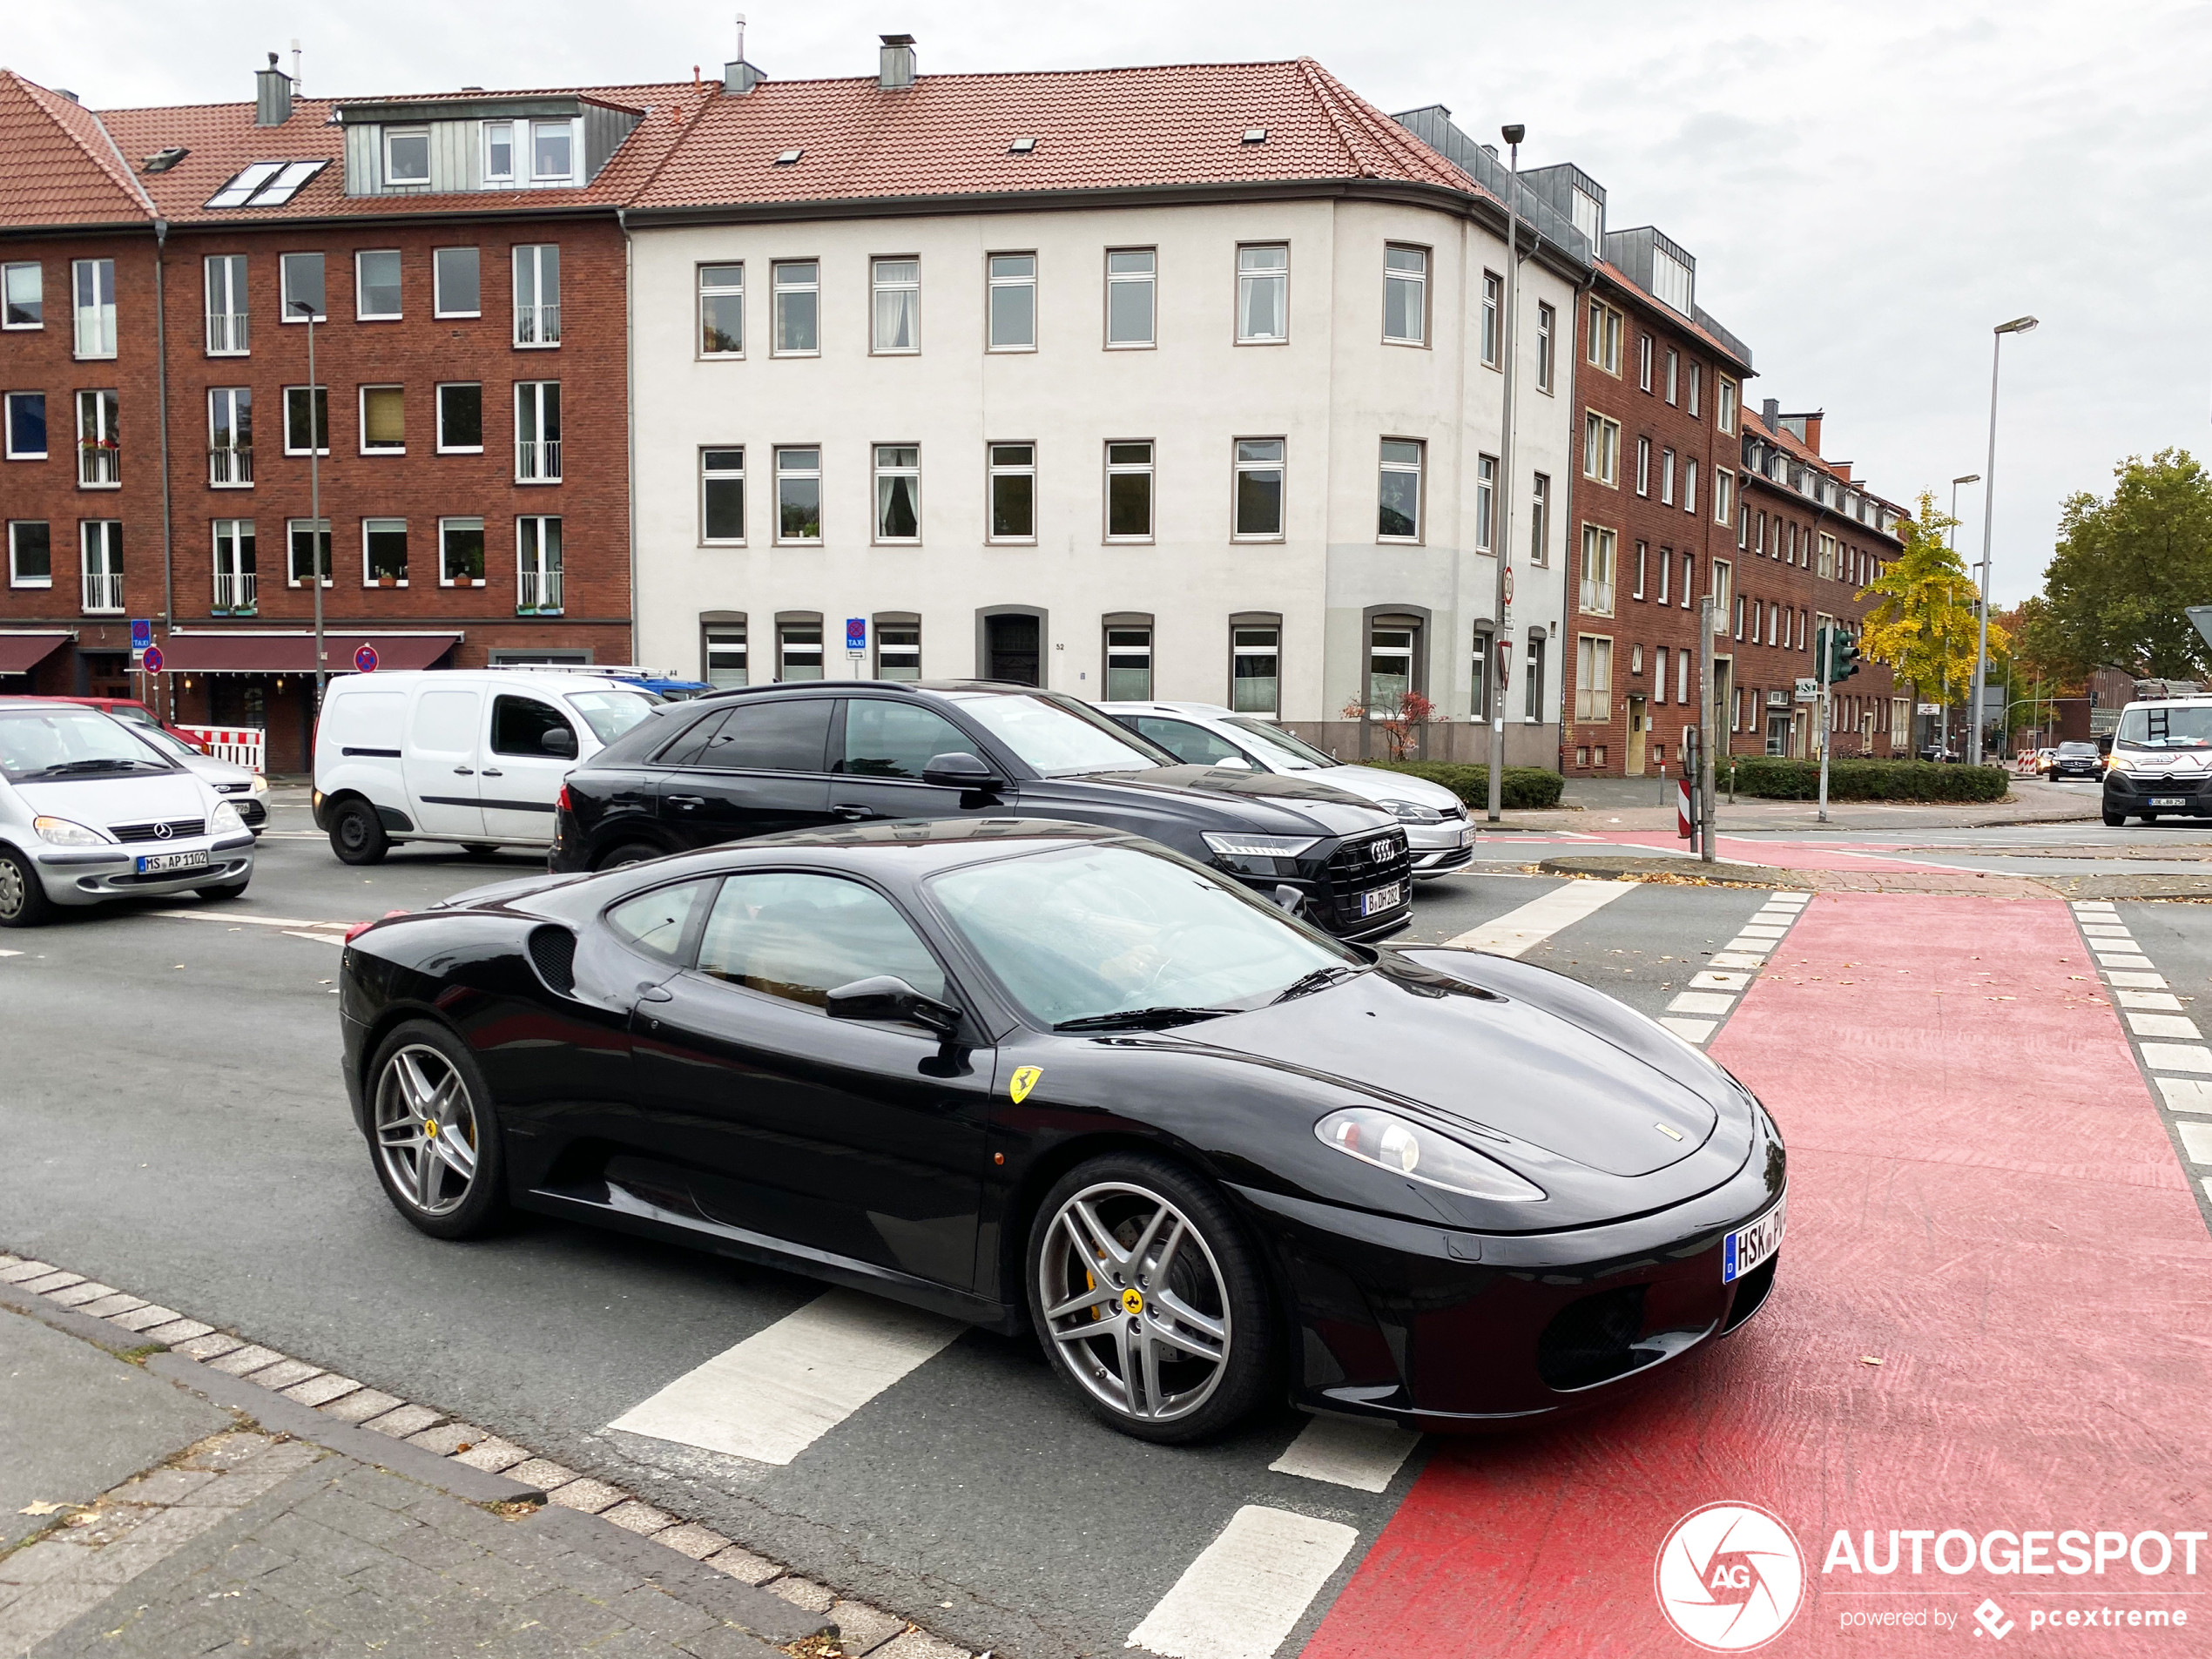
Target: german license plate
155	863
1375	901
2169	801
1466	836
1746	1247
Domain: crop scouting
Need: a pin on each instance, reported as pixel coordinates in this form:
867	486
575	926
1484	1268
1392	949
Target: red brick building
464	261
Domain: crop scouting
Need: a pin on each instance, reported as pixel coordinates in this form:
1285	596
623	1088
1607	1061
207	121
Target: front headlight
2119	763
60	832
1260	855
1412	811
259	786
224	819
1393	1143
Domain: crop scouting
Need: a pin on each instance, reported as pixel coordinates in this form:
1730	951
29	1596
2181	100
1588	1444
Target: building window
1826	571
1643	466
1264	294
30	554
1390	665
1254	654
384	552
1689	578
26	426
1725	399
1129	492
1643	558
460	552
460	418
537	432
301	280
1259	489
1758	615
1012	471
309	539
538	294
1603	347
95	308
897	492
1659	674
224	277
230	437
23	296
724	651
537	567
1666	477
722	311
897	292
1681	676
1405	295
100	541
1601	448
1723	495
1644	363
552	152
406	155
376	285
1532	698
898	650
798	494
1131	277
1494	287
1739	615
1666	573
1594	679
722	496
1697	390
798	650
100	451
456	282
1398	517
383	420
1479	677
1128	664
796	308
1690	486
1598	547
499	153
1540	519
1674	374
1547	326
234	569
1011	302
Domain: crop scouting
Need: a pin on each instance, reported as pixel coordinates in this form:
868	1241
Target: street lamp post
1502	533
1952	538
2018	326
315	535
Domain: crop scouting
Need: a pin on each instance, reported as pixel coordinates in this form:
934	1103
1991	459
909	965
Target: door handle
493	771
687	800
854	815
649	992
464	771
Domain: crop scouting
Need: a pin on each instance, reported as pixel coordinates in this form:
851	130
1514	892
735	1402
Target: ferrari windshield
2158	725
71	743
1084	932
1058	739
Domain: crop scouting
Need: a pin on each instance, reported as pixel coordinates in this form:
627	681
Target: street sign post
141	635
856	636
1924	708
153	659
365	658
1808	691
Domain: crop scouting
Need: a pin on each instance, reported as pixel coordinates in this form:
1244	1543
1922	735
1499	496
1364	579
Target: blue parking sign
141	633
856	635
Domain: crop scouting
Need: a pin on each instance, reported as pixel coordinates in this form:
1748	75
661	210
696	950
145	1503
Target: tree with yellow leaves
1924	623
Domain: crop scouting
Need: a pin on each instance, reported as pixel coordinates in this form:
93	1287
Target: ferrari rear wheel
434	1134
1149	1299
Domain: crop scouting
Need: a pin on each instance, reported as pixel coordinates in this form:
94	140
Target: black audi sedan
1043	1076
775	758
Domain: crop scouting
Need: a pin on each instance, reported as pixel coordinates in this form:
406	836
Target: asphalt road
175	1125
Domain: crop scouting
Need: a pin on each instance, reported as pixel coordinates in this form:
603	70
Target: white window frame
1601	557
16	578
540	320
391	175
1688	576
437	282
237	472
8	415
1272	650
1540	519
493	180
1602	348
1723	579
1674	376
1489	341
1547	345
463	523
1643	559
108	533
711	473
226	328
779	285
1413	277
285	412
1148	280
7	277
1689	484
1694	400
1418	467
1485	502
884	647
994	281
1600	458
797	474
1666	477
719	290
94	335
438	414
879	287
543	453
543	574
1644	465
293	527
1249	278
994	469
1727	396
360	416
284	286
368	578
1594	678
233	587
98	438
880	473
1148	469
1125	639
1665	576
1239	465
572	131
1644	363
1723	495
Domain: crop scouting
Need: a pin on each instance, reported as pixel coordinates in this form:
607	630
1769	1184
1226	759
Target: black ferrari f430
1047	1076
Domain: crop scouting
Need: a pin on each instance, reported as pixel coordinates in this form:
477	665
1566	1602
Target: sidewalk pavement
147	1514
1598	805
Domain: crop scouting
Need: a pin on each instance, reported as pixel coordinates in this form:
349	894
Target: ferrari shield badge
1024	1079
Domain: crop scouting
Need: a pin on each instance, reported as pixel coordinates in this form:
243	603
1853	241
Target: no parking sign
152	660
365	658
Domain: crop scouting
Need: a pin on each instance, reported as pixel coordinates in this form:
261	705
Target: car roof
1210	710
903	688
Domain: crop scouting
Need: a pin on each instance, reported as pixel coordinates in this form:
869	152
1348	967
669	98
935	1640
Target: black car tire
1127	1181
2148	817
627	853
226	889
23	902
2113	820
436	1055
357	834
480	849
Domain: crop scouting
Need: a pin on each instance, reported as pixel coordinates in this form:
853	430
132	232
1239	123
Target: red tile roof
57	164
1788	441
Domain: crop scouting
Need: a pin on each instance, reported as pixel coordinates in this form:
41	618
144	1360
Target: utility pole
1501	533
2018	326
1707	618
1824	648
318	538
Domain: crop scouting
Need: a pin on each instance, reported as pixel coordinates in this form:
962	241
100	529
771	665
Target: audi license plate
2169	801
1746	1247
156	863
1375	901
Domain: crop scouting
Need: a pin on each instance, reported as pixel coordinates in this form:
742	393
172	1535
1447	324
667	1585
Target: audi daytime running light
60	832
1260	855
1403	1148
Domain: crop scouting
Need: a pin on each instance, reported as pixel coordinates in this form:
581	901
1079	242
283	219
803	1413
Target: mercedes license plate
1375	901
1746	1247
155	863
2169	801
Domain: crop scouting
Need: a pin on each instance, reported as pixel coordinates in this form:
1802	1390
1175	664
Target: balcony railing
538	460
538	592
537	325
231	466
103	592
226	332
234	592
99	461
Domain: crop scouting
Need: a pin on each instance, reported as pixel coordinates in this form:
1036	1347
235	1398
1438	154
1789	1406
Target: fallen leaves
1869	1359
40	1507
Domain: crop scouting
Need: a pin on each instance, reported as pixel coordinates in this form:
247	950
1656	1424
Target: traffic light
1843	657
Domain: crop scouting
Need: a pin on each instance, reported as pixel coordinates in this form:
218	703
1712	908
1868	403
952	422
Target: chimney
1770	414
895	72
62	91
1812	430
272	96
738	77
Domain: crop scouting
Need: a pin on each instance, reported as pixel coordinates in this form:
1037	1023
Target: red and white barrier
242	746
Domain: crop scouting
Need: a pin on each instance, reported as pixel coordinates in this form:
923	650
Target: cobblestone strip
1697	1013
862	1629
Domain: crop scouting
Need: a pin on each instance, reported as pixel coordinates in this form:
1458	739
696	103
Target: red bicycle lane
1983	1200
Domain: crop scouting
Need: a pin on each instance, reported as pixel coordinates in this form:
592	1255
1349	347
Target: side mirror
1232	763
889	999
960	771
558	740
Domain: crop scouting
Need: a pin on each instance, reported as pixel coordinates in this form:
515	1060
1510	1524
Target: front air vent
553	954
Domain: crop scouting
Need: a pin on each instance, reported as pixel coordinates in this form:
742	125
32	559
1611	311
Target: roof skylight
267	184
790	157
1021	147
1255	135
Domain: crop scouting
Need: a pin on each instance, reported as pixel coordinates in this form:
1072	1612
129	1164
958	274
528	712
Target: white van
470	756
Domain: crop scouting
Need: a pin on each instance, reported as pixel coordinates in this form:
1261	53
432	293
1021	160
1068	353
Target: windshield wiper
1320	979
1142	1019
101	764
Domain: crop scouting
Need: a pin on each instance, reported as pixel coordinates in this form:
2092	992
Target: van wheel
628	853
479	849
23	902
357	834
2113	820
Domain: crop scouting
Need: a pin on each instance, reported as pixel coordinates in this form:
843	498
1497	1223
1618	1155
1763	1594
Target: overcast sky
1867	188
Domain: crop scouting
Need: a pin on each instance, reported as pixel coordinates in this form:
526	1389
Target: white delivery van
470	756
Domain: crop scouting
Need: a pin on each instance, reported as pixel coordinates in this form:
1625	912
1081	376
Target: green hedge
1525	786
1774	779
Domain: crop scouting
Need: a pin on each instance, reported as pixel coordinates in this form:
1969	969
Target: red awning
20	653
295	654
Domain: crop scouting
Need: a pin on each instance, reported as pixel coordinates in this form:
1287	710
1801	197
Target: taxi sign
365	658
141	632
856	635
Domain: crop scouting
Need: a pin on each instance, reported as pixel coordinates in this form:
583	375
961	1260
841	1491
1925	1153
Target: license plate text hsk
1747	1247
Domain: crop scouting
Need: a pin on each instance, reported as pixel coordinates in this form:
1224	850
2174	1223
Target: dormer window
499	153
407	156
552	152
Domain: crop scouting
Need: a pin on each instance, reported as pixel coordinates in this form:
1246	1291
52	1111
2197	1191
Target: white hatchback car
1206	734
88	813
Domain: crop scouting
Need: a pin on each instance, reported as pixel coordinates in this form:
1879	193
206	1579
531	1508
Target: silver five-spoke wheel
1136	1301
426	1129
